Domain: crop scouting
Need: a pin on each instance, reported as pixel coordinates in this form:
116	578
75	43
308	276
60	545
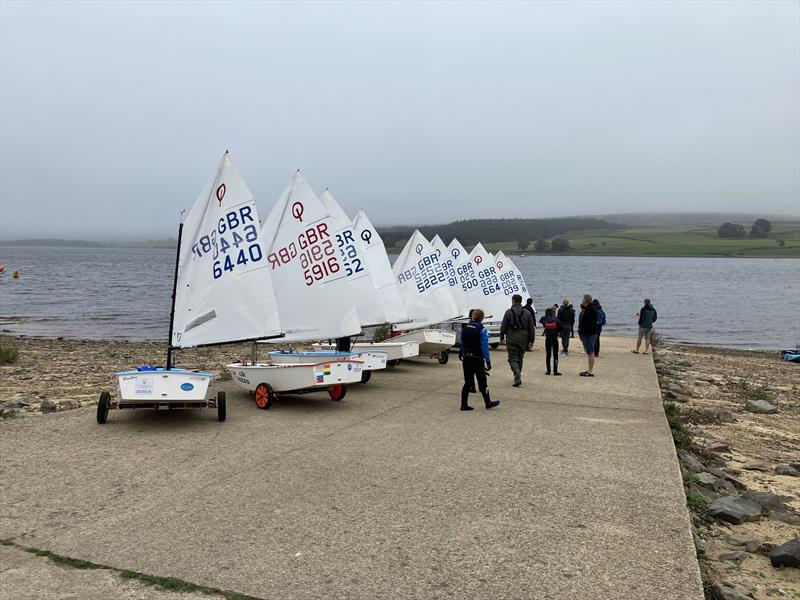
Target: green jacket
647	316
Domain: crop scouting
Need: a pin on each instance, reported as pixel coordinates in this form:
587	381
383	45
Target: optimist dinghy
371	360
314	300
221	295
434	343
394	351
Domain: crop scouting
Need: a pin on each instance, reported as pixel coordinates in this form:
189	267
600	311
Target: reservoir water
122	293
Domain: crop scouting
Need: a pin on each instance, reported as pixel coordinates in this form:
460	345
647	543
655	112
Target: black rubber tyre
494	346
102	407
444	356
222	408
366	376
337	391
265	396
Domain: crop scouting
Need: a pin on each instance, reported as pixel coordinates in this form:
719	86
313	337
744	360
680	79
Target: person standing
517	333
566	316
532	311
552	328
647	317
601	321
587	331
476	361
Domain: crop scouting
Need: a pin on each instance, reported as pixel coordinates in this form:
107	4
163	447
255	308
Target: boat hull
431	341
161	386
373	360
297	376
394	350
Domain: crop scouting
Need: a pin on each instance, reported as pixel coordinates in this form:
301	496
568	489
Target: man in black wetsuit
476	359
532	312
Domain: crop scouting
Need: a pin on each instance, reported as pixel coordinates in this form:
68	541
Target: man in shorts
647	316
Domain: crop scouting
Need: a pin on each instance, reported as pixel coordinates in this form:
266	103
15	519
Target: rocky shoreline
735	418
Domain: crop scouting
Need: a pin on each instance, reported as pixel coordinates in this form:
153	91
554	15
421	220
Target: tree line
759	230
470	232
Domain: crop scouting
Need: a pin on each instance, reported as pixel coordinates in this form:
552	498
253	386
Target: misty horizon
113	115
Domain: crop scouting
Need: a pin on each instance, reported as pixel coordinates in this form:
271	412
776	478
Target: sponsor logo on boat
187	387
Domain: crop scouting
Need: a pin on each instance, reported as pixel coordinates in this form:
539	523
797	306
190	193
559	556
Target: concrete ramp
569	489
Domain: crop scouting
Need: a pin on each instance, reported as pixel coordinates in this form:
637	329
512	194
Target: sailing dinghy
222	294
422	279
313	297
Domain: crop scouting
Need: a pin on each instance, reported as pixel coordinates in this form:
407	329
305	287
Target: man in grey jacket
517	331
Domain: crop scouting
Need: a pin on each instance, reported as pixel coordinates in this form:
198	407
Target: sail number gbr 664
233	243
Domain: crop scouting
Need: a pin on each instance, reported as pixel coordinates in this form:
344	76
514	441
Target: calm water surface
125	294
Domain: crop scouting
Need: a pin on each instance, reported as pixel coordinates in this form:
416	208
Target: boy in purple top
552	327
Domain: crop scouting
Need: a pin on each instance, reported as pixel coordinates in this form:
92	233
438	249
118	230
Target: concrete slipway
570	489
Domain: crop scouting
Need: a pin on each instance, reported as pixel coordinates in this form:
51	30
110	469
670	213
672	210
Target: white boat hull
373	360
394	350
431	341
160	386
296	376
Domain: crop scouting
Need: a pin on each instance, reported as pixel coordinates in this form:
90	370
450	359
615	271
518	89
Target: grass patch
752	392
224	376
381	333
695	501
8	353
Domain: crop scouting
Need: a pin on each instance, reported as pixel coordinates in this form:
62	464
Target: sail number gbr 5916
233	243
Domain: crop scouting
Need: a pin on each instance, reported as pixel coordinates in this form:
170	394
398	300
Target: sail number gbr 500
233	243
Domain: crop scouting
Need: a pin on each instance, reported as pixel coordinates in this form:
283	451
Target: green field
674	241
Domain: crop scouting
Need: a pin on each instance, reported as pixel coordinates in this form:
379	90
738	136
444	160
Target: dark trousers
565	339
474	369
597	343
551	346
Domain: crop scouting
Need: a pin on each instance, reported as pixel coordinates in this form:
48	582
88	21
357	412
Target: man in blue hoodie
477	362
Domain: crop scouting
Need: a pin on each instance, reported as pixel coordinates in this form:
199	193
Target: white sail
224	291
489	293
379	269
453	268
423	283
369	305
315	299
511	279
467	277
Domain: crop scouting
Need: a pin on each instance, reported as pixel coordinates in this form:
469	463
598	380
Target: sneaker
517	383
547	372
586	374
492	404
467	408
556	373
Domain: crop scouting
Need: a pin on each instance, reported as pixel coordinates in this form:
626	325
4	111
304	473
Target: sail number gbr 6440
233	243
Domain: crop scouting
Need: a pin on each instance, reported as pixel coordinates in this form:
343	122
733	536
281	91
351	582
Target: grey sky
114	114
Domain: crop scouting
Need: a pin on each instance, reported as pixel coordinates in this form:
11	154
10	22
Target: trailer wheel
222	408
337	391
102	407
494	345
366	376
444	356
393	363
265	396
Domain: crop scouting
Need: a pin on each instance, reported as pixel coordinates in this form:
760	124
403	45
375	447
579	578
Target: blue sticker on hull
187	387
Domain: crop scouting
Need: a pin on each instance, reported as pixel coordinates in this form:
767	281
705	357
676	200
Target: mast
174	290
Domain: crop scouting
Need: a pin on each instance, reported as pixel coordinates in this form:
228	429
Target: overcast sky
114	114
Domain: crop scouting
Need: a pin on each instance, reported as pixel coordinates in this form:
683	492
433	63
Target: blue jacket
475	341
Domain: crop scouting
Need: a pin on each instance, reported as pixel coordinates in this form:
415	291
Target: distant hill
674	219
58	243
472	231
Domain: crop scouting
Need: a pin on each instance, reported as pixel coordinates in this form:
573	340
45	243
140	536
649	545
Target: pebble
47	407
786	555
725	592
726	416
736	557
707	479
757	466
735	509
718	446
787	470
768	500
760	406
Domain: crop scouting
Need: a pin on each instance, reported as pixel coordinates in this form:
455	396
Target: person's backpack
601	317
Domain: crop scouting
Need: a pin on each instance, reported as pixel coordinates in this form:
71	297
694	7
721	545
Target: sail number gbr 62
233	243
